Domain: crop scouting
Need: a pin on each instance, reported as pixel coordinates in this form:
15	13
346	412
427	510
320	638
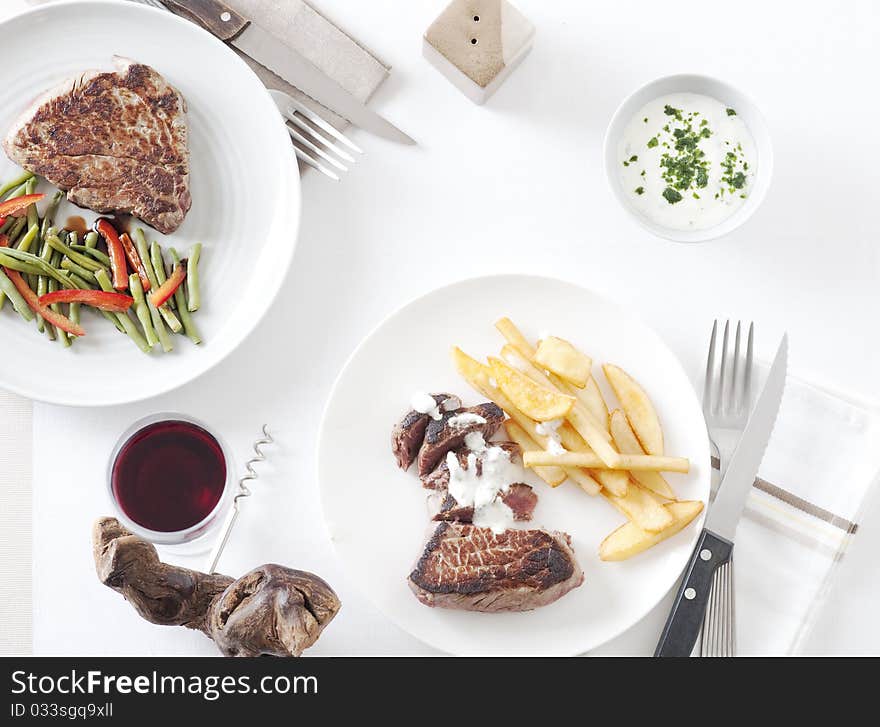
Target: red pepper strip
17	204
56	319
113	302
117	254
161	294
2	221
135	260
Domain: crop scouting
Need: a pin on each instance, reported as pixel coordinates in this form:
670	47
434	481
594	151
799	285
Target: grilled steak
520	498
449	432
470	568
116	142
439	478
409	433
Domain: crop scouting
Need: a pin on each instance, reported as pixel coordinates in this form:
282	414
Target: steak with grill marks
115	142
470	568
449	432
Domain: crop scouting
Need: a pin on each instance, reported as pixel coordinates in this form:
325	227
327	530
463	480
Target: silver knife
231	27
715	544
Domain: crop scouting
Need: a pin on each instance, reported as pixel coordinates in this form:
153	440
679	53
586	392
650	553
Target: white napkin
821	462
16	436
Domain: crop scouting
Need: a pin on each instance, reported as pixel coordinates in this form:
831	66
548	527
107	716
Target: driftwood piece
271	610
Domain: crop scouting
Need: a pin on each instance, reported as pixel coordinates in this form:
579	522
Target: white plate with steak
536	585
127	108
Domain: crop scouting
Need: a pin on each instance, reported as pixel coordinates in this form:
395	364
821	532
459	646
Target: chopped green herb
731	112
672	111
696	196
652	142
633	158
642	173
645	119
640	190
672	196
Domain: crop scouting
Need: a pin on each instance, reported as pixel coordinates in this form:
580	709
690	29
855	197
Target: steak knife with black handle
715	544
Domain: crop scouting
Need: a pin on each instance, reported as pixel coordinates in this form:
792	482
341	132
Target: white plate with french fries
629	487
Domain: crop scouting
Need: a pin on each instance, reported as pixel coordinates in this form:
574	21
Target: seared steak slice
116	142
470	568
409	433
520	498
449	432
439	478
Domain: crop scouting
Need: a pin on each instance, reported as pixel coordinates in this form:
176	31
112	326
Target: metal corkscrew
250	475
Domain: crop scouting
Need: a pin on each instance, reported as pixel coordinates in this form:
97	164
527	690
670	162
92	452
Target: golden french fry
553	476
512	334
512	355
614	481
564	360
638	407
642	509
591	397
629	540
477	374
593	461
532	399
628	443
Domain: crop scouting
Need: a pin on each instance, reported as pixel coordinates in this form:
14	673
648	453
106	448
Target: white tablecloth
517	185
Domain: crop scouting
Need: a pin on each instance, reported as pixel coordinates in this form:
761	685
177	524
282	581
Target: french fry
615	482
515	337
564	360
642	509
594	433
513	356
553	476
543	403
478	376
594	461
592	398
638	407
628	443
629	540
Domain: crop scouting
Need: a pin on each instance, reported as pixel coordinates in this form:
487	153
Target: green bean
16	298
92	242
33	218
41	288
155	314
188	325
141	308
92	252
49	215
53	286
17	259
17	182
55	243
132	331
15	230
68	264
24	244
194	296
162	275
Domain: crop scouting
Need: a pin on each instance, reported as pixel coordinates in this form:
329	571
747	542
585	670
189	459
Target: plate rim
319	446
292	211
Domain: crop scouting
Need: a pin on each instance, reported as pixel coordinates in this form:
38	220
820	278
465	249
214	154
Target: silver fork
314	139
727	401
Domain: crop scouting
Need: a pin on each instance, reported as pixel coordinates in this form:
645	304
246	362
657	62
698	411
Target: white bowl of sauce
689	157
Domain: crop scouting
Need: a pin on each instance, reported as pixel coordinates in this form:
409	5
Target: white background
515	186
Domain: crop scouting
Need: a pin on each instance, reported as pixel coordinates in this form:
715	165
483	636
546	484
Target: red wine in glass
169	476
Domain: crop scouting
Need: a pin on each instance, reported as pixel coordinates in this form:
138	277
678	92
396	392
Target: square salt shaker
476	44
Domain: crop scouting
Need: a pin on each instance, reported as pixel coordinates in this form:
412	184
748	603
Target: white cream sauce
424	404
549	429
656	159
483	492
465	419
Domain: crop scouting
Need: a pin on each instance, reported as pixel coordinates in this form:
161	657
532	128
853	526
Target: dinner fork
316	141
727	400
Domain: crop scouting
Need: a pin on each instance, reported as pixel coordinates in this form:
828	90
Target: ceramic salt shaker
476	44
